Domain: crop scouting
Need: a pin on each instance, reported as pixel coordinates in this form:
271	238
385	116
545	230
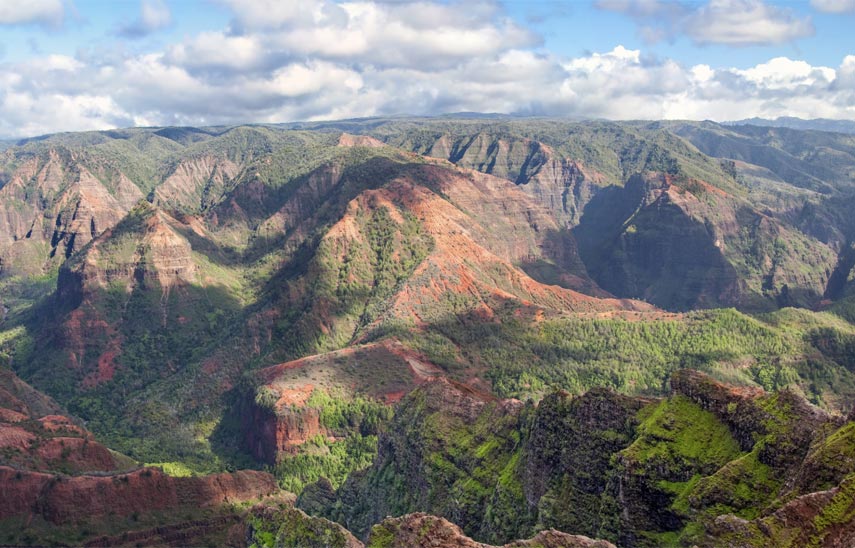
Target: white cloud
45	12
784	73
729	22
362	59
376	33
745	23
834	6
212	50
154	15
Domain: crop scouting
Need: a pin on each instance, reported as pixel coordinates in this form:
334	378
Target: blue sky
94	64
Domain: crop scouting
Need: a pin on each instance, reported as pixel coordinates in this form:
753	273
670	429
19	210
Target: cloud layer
43	12
729	22
312	59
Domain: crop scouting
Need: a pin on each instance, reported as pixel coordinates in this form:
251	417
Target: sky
71	65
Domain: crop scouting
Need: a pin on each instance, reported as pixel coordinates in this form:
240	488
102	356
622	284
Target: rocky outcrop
817	519
636	471
146	248
226	530
427	461
271	435
735	406
53	204
288	527
348	140
275	415
196	183
569	435
682	243
148	255
425	531
72	499
46	443
561	185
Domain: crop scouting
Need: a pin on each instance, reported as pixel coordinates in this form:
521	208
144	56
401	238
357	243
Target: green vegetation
151	332
631	356
349	444
678	433
285	527
452	464
319	458
175	469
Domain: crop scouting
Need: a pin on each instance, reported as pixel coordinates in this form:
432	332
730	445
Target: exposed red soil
67	500
8	415
348	140
14	437
78	454
57	423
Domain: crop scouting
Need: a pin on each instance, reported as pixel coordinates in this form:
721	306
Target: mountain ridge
218	298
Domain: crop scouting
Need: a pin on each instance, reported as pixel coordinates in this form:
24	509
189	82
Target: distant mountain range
364	307
817	124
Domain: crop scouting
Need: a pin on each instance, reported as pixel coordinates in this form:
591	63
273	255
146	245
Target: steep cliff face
562	186
59	483
271	434
147	247
196	183
710	465
709	233
449	451
140	261
53	205
369	273
422	531
823	518
64	500
683	244
568	454
397	239
277	416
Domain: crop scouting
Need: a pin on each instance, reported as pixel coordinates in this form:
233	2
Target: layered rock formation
711	465
64	500
424	531
436	265
53	204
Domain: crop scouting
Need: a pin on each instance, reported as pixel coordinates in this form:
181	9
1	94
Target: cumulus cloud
257	71
43	12
729	22
834	6
410	34
745	23
154	15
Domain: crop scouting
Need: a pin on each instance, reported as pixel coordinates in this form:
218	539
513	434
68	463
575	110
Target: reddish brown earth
186	184
46	443
67	500
158	255
79	454
196	532
425	531
482	227
268	433
98	491
79	206
348	140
